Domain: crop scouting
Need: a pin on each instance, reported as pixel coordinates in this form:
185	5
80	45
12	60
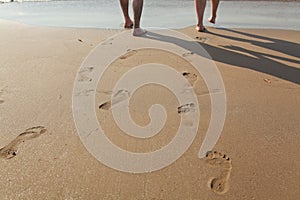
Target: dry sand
43	158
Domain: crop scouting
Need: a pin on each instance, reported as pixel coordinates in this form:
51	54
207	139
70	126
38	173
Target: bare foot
139	32
200	28
128	24
212	19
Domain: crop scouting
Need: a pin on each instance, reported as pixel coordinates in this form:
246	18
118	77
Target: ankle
200	26
136	26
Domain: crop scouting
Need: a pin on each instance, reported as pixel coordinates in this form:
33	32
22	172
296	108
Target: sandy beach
256	156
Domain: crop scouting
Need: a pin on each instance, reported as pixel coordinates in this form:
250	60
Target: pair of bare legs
200	8
137	13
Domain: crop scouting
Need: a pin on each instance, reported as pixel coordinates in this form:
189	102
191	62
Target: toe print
220	184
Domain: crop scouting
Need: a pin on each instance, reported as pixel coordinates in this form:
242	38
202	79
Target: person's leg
214	8
128	22
200	8
137	11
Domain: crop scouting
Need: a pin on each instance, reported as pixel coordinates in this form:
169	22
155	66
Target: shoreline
267	15
11	22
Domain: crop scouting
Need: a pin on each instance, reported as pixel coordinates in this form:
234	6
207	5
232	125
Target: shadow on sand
258	61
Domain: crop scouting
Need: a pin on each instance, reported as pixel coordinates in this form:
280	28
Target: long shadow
259	62
283	46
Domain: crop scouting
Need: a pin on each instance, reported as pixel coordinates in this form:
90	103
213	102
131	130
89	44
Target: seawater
156	13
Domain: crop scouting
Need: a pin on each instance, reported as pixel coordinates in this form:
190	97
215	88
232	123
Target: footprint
85	93
2	90
84	74
86	69
105	105
186	108
219	185
188	54
118	97
10	150
108	42
192	78
202	39
128	54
